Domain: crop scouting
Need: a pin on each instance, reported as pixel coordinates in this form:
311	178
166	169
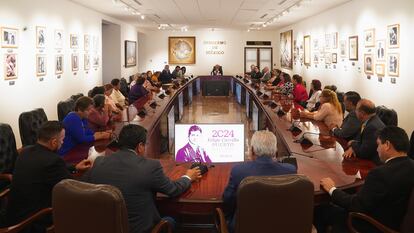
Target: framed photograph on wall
59	64
130	53
328	41
182	50
58	39
353	48
286	40
95	61
74	41
86	42
40	65
335	40
369	37
9	37
368	64
394	64
380	70
334	58
342	48
380	50
307	50
87	62
40	37
394	36
10	66
75	62
328	58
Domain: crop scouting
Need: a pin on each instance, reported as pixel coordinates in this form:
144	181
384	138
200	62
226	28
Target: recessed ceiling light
142	16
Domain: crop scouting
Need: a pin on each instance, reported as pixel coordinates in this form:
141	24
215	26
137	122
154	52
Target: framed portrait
342	48
59	64
380	50
316	58
182	50
130	53
334	58
10	66
9	37
40	65
307	50
394	64
394	36
335	40
75	62
328	41
315	45
328	58
95	43
369	37
40	37
58	39
368	64
96	61
86	42
353	48
286	40
87	62
380	69
74	41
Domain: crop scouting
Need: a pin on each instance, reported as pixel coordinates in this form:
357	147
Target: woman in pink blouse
99	116
330	111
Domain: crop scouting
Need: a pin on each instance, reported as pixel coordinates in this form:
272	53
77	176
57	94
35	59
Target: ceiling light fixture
142	17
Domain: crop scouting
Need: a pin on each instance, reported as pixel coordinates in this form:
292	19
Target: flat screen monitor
209	143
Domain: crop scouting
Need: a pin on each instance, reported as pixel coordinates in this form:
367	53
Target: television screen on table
209	143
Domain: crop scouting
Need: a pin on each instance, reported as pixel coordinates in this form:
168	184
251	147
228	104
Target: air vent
136	1
258	43
263	16
281	2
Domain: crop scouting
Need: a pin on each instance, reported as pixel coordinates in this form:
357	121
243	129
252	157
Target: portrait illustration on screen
193	151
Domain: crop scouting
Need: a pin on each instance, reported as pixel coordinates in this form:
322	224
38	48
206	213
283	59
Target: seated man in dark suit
38	168
351	125
263	148
385	193
364	145
138	178
256	74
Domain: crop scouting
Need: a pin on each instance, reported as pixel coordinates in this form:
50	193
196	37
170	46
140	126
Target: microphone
153	105
304	141
272	105
294	129
203	168
280	112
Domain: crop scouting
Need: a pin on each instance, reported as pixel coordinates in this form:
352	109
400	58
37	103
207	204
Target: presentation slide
209	143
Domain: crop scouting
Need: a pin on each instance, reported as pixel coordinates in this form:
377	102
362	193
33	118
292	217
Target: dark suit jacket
365	145
262	166
37	171
350	127
139	179
165	76
385	193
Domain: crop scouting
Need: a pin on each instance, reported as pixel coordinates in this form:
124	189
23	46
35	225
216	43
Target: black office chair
65	107
387	116
29	123
76	96
8	155
124	87
411	151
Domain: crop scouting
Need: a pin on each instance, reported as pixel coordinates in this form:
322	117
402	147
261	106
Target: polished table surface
324	159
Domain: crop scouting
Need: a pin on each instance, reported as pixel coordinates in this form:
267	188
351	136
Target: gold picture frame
369	37
380	69
307	50
393	63
368	63
182	50
353	48
9	37
74	41
286	49
41	67
10	66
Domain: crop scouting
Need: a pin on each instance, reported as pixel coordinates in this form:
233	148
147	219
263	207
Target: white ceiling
196	14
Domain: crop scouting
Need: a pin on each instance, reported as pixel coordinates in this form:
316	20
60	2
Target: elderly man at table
385	193
38	168
263	148
351	125
364	145
138	178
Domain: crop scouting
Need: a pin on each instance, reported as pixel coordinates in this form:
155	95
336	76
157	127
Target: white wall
153	49
111	55
352	19
29	92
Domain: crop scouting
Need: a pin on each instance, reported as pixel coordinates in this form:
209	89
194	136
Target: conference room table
322	159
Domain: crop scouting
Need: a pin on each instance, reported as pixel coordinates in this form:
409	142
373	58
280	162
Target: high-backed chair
269	204
94	208
65	107
387	116
124	87
407	225
29	123
411	151
8	155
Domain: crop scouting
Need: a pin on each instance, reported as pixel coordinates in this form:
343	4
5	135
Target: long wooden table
316	162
